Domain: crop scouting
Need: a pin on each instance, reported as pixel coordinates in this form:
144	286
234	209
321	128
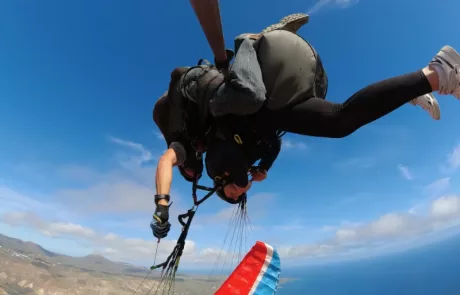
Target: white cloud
129	188
405	172
385	230
60	228
391	224
321	4
159	135
453	161
120	248
114	197
114	246
343	224
289	227
120	197
357	162
349	237
32	220
126	249
345	234
146	155
257	207
438	187
289	144
448	206
454	158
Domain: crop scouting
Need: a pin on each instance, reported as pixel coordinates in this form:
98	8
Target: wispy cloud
109	244
392	227
159	135
125	193
431	192
343	224
453	159
292	225
117	247
322	4
405	172
110	197
438	187
289	145
145	154
357	162
126	188
258	206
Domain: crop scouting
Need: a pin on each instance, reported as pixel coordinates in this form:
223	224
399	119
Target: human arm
175	155
272	151
208	14
164	174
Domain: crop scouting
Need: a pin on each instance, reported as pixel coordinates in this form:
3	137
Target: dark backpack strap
321	81
208	83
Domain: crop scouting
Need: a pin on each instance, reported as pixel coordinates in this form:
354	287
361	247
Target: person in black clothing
278	81
231	162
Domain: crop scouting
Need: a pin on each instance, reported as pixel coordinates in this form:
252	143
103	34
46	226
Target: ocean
428	270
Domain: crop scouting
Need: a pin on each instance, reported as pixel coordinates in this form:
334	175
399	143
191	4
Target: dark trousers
321	118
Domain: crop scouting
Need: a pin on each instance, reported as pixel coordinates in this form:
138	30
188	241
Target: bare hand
258	175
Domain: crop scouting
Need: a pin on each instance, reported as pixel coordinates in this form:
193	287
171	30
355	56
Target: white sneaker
429	103
447	64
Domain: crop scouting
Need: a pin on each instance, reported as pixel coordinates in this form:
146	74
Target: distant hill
27	268
89	263
25	247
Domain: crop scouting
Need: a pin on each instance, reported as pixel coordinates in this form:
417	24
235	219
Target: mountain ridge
91	262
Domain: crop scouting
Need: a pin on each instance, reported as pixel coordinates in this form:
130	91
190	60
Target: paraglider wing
257	274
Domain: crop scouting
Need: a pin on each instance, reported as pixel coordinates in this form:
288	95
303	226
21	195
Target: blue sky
79	148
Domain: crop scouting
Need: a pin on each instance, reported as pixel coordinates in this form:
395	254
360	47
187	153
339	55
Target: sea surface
429	270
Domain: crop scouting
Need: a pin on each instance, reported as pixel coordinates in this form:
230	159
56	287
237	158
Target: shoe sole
433	110
295	20
436	111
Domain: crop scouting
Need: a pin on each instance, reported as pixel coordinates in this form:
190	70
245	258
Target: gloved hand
160	225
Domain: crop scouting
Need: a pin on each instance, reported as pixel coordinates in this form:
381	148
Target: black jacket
227	156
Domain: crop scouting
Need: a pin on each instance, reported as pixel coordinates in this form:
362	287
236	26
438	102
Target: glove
160	225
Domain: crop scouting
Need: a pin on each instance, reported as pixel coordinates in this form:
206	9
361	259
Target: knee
344	126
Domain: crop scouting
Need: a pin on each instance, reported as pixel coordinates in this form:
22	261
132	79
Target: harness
200	128
197	105
202	81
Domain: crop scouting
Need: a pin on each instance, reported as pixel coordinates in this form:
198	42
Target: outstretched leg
317	117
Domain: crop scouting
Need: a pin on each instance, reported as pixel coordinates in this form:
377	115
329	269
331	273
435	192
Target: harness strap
172	261
208	83
210	190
